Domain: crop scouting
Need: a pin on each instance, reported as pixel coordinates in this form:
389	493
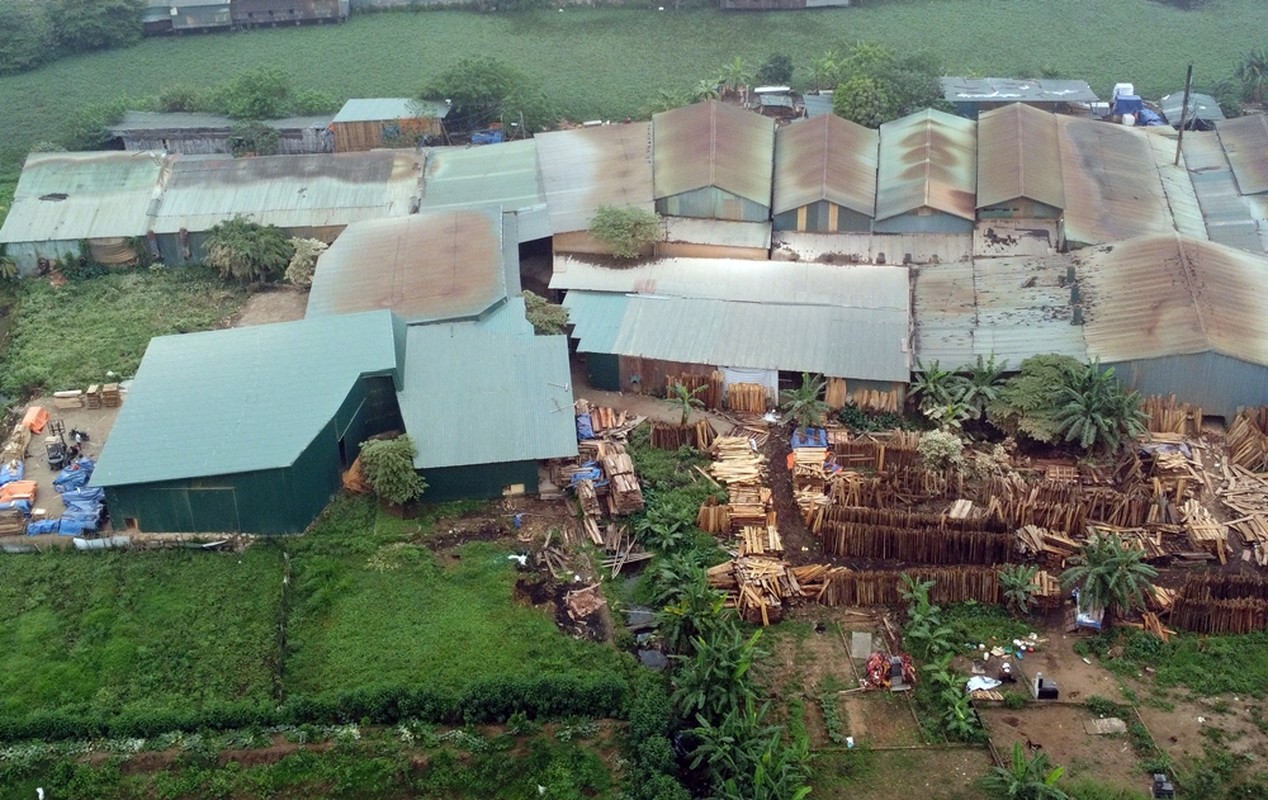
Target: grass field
107	630
610	62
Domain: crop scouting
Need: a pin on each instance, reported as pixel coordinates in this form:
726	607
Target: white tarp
766	377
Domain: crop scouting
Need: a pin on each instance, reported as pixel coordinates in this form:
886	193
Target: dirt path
800	545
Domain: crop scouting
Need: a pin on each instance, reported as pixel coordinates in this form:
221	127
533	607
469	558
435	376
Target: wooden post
1184	112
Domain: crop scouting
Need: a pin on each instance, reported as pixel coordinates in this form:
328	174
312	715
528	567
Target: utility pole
1184	113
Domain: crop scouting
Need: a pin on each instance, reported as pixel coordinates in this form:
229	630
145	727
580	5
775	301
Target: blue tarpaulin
12	471
42	526
75	476
585	427
20	505
809	437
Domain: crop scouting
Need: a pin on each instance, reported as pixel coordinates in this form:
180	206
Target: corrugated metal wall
652	372
1219	384
478	480
934	222
712	203
302	142
823	217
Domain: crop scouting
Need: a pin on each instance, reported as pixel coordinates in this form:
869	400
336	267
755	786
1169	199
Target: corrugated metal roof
514	391
746	334
493	174
437	265
585	168
216	403
1015	90
70	196
1245	141
726	233
927	160
1177	185
1161	296
825	158
383	109
134	121
1227	215
1201	106
817	104
713	144
294	191
1112	188
1018	155
1012	308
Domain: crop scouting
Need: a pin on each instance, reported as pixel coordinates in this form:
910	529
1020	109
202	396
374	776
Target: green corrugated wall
478	480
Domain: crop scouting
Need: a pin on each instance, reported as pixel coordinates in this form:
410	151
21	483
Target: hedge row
493	700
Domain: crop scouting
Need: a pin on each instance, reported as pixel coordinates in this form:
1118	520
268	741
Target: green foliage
832	721
247	251
1109	574
547	318
304	262
253	139
856	419
311	102
874	85
87	126
1029	401
980	623
1097	413
1252	73
941	449
1205	665
96	24
26	35
1018	583
180	97
1024	778
260	93
72	335
686	400
627	230
734	74
485	90
776	70
389	469
805	405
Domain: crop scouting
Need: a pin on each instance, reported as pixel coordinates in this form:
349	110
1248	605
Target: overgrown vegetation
547	318
1204	665
940	696
626	230
249	252
484	90
32	33
1109	574
303	262
805	405
874	84
71	336
389	469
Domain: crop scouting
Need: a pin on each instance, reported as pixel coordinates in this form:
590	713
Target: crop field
610	62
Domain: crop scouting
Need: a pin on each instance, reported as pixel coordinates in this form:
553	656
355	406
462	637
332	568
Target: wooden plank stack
713	387
1165	415
111	397
1247	440
93	396
735	461
625	495
16	444
1221	603
836	393
760	540
1246	494
1205	532
756	587
808	468
71	398
589	499
1052	547
747	398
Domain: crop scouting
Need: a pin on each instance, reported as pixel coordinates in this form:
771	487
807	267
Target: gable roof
825	158
713	144
927	160
384	109
1245	142
134	122
1018	155
584	168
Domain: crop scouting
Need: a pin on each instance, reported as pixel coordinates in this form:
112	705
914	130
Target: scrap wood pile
1246	495
760	540
749	505
1248	439
620	545
601	422
1174	469
1165	415
912	536
1063	507
1204	531
1047	589
1221	603
602	475
625	496
894	452
736	460
849	488
15	445
756	587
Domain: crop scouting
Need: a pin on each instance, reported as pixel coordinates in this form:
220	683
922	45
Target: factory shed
585	168
927	175
211	134
1245	142
825	176
1018	164
1175	315
248	429
972	96
175	16
714	161
502	174
64	199
369	123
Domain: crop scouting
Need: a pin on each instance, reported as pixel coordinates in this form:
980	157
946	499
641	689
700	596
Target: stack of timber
589	499
760	540
808	468
1205	532
1050	547
756	432
1166	415
1064	507
922	546
620	545
892	454
814	579
1221	603
749	504
1246	494
849	488
810	501
607	423
1160	598
111	397
835	393
736	461
15	446
756	587
1248	439
71	398
625	496
1145	540
92	398
1174	473
12	523
714	517
708	388
1047	589
901	519
747	398
838	394
951	585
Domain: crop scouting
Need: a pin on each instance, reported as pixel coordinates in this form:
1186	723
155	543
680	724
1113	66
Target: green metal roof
493	174
487	392
242	399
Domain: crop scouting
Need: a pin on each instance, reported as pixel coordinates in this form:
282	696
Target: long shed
825	176
927	175
212	134
375	122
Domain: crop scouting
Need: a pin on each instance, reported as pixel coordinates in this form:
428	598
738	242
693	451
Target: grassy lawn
70	336
371	607
610	62
106	630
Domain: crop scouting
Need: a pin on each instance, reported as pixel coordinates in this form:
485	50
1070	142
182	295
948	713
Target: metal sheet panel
383	109
585	168
713	144
718	232
1245	140
1218	384
825	158
928	160
1228	217
1015	90
1201	106
72	196
426	267
1177	185
494	174
1018	156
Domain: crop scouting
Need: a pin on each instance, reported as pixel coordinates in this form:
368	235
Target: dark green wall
604	371
478	480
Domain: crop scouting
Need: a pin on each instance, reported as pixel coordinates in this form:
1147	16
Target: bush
180	97
304	262
247	251
626	230
547	318
485	90
26	35
261	93
389	469
253	139
96	24
941	449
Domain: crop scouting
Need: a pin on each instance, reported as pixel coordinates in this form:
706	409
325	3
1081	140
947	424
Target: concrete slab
96	421
860	645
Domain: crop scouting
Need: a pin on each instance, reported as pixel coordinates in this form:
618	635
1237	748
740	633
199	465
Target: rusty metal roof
825	158
713	144
71	196
1166	295
1009	90
1018	155
1111	182
927	160
1245	141
439	265
585	168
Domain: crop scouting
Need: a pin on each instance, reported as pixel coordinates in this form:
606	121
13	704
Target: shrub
304	261
180	97
253	139
626	230
26	35
389	469
247	251
261	93
941	449
96	24
547	318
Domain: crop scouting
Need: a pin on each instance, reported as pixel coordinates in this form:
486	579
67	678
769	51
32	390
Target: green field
610	62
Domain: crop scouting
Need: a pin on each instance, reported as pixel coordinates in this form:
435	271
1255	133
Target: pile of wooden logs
736	461
756	587
1205	532
625	496
1248	439
1246	494
15	446
746	398
1165	415
1221	603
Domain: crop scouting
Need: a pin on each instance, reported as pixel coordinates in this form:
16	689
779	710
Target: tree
1025	779
1027	403
862	99
97	24
734	75
776	70
627	230
805	404
981	384
546	317
685	400
253	139
247	251
1097	413
1109	574
26	35
714	680
1252	72
825	71
389	469
1018	583
261	93
874	85
483	90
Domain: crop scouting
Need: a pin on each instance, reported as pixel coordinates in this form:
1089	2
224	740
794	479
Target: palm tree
735	74
704	90
1252	72
1097	413
686	399
1025	779
1018	583
981	384
936	387
1109	574
805	404
825	71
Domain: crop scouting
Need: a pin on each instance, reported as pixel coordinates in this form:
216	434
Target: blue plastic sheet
12	471
21	505
585	427
809	437
75	476
42	526
70	526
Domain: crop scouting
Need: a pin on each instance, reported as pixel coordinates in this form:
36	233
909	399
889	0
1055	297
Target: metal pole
1184	113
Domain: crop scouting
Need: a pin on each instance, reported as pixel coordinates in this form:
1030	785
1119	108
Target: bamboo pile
712	385
736	461
1165	415
951	585
1246	493
625	495
1248	439
747	398
917	546
1205	532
